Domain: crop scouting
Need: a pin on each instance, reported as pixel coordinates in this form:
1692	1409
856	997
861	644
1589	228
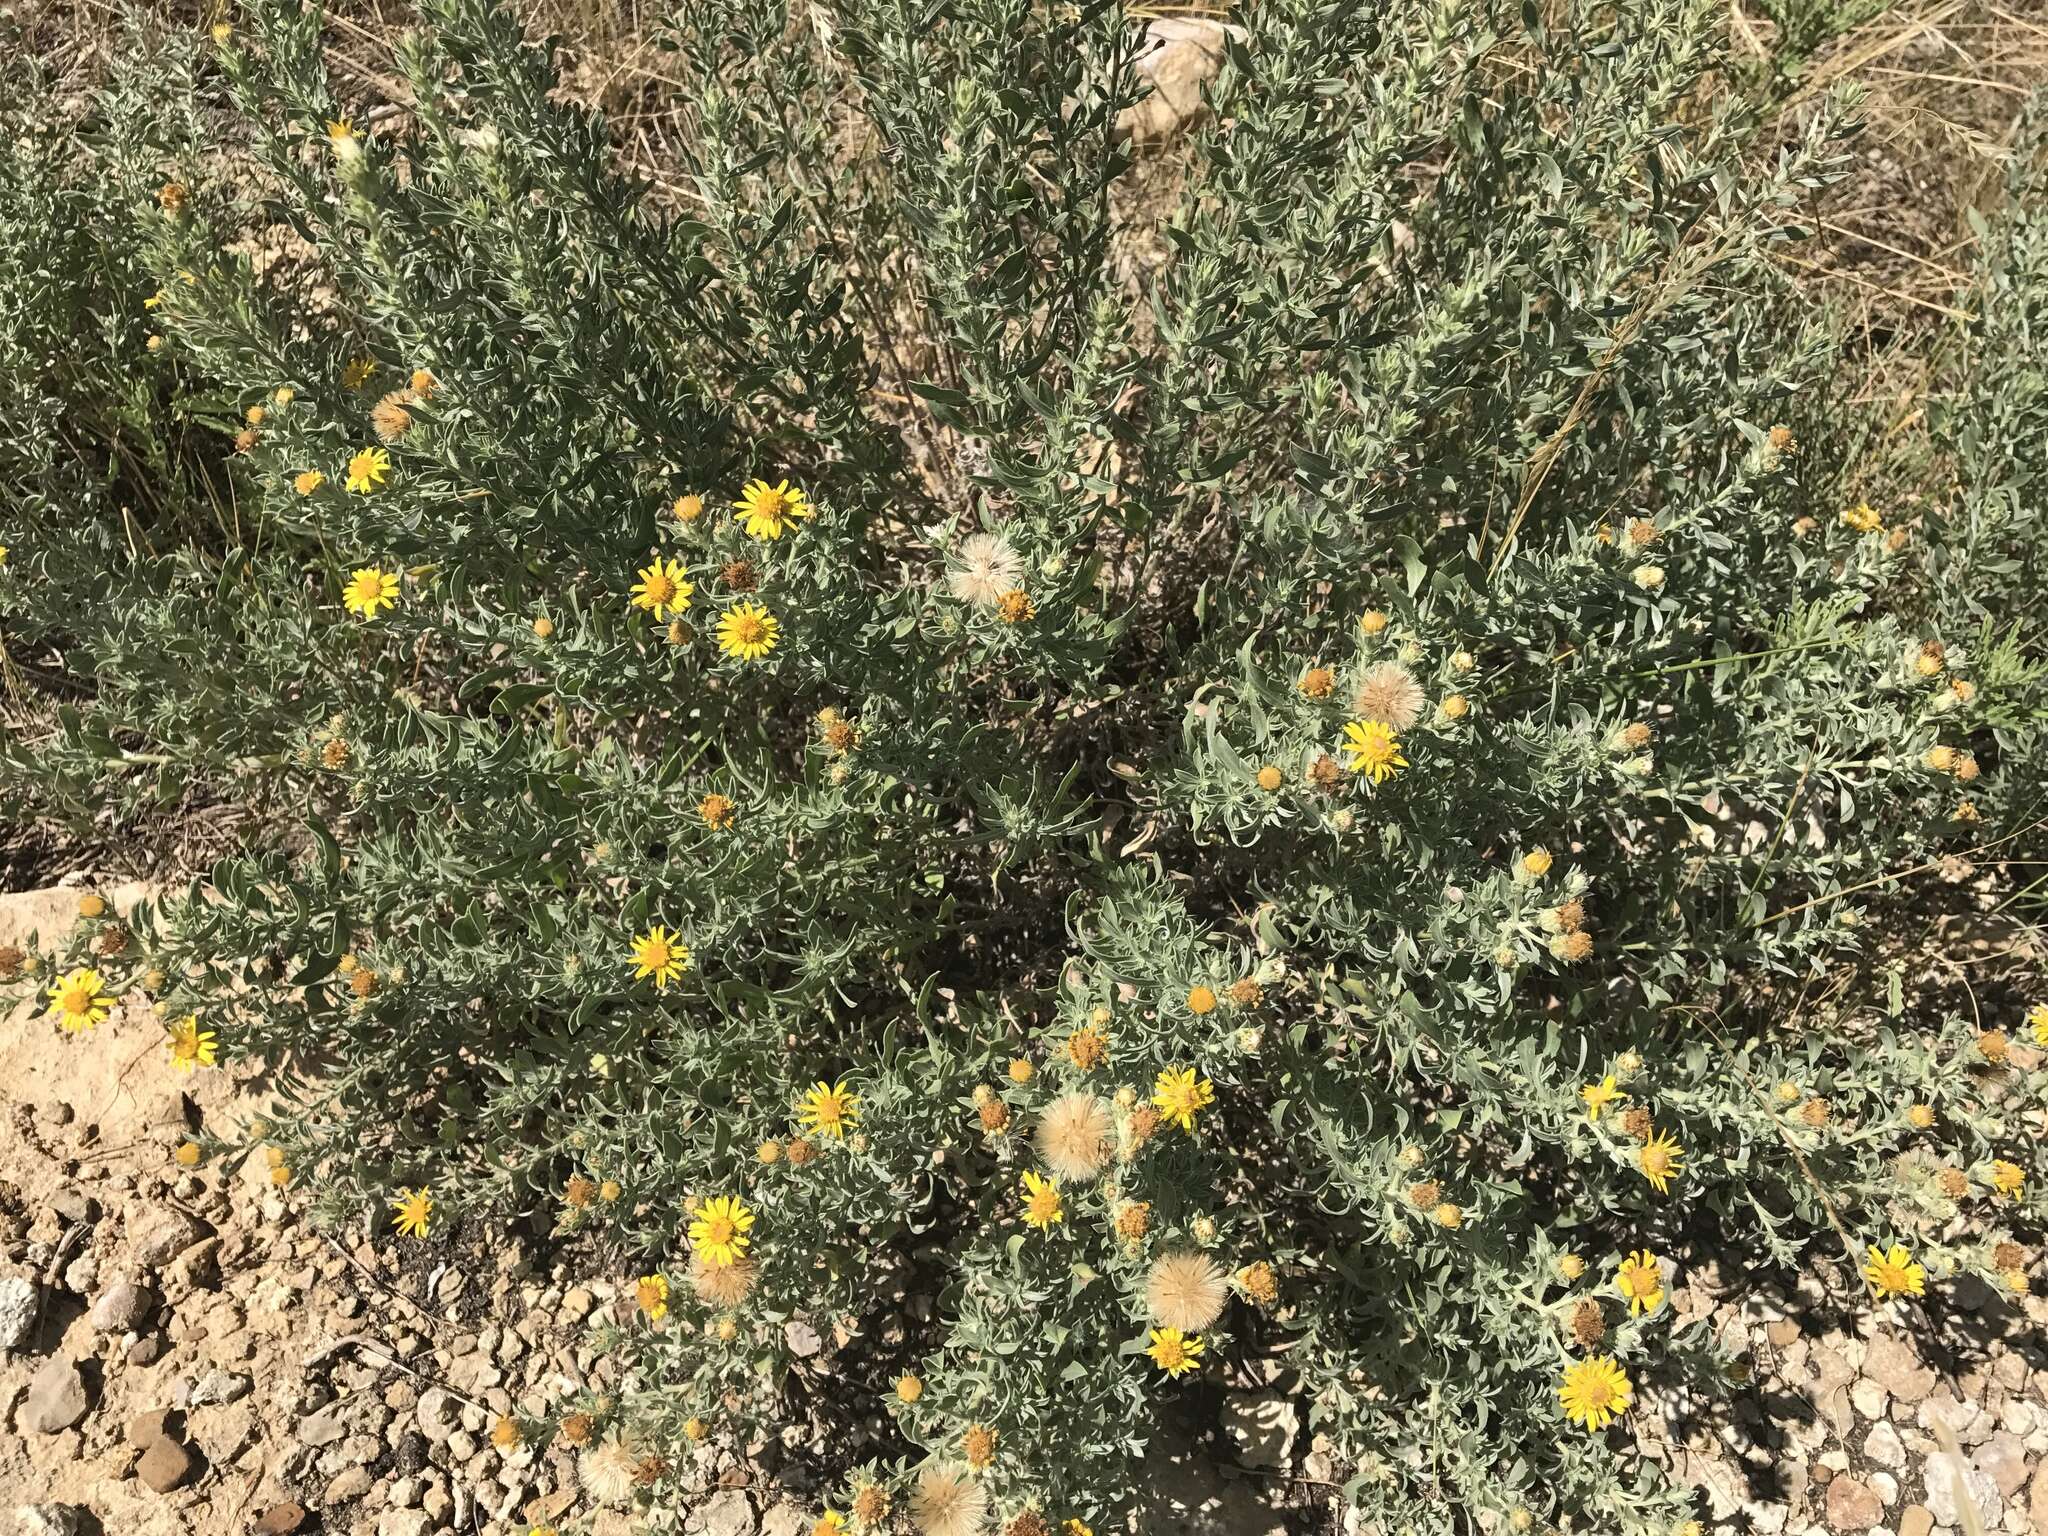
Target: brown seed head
1589	1323
389	418
739	575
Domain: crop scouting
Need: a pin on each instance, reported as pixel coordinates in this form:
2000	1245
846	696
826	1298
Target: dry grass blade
1966	1510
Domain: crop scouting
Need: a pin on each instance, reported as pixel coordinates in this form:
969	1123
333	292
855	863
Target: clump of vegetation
855	732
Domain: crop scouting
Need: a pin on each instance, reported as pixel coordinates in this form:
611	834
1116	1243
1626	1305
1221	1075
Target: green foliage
1450	384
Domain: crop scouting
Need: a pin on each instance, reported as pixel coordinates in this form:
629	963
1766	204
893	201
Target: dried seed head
1186	1291
1589	1324
1389	692
389	418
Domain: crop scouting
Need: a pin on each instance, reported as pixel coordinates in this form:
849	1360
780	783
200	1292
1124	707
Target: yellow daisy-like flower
79	1000
1174	1352
1894	1273
1659	1160
660	954
769	509
828	1109
307	481
189	1045
359	371
1042	1203
748	631
1373	749
1640	1281
830	1523
1599	1095
662	588
370	589
650	1295
2037	1018
1180	1095
412	1211
2007	1178
1595	1392
370	468
719	1231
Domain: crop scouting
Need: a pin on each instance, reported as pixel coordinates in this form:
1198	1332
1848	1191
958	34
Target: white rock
1261	1427
17	1321
1941	1492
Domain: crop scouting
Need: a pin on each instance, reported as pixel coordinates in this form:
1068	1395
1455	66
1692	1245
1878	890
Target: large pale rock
123	1307
1982	1492
725	1513
17	1316
1892	1364
1261	1427
56	1399
1853	1505
1179	56
157	1234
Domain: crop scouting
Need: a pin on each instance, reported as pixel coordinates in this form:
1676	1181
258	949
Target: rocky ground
182	1351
